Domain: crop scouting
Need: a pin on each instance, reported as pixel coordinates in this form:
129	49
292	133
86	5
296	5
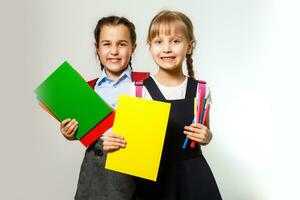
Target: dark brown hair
113	21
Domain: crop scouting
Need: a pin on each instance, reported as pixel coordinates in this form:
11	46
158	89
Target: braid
189	63
129	63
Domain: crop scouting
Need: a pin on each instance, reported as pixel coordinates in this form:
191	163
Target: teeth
113	60
167	58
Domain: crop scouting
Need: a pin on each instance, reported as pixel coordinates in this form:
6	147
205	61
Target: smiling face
115	49
169	47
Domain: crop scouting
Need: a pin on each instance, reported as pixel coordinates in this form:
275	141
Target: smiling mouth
168	58
114	60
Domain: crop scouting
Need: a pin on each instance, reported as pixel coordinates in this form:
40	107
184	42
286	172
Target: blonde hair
164	22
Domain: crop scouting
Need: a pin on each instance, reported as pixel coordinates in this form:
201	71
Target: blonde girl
184	173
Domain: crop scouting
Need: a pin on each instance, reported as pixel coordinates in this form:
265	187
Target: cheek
127	52
101	52
154	51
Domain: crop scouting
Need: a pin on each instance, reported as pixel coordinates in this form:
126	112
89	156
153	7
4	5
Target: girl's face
170	50
115	49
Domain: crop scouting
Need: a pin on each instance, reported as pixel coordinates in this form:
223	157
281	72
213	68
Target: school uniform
95	182
184	173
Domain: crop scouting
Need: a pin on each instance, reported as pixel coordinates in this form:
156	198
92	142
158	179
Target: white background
248	52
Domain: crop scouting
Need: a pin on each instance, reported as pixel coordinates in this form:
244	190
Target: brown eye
123	44
157	42
176	41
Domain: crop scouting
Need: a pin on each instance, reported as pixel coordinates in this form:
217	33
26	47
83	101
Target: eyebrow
117	41
175	36
178	36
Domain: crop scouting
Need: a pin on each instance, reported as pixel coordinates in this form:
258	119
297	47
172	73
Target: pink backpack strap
138	78
138	88
201	88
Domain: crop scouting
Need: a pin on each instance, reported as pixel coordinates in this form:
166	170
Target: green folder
67	95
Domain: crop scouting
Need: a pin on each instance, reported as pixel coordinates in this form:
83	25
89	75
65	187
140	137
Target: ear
191	46
97	49
96	46
133	48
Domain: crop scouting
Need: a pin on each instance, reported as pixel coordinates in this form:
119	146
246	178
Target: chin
168	68
116	68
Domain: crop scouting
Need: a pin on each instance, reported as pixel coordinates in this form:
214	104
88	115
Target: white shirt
169	92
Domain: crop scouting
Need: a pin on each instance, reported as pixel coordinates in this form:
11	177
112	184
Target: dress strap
153	89
191	89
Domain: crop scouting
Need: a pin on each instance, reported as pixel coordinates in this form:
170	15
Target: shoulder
132	91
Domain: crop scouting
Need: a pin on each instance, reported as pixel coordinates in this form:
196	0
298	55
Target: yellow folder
143	123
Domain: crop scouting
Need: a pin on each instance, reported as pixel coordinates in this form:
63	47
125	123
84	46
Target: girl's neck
170	78
113	75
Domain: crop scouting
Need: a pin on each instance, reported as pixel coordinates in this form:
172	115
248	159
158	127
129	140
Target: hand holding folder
65	94
143	123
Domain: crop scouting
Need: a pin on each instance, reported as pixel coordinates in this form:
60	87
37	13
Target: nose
167	48
114	50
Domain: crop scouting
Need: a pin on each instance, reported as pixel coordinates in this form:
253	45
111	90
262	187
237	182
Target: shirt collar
125	75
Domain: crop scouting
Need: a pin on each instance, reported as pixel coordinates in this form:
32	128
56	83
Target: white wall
246	50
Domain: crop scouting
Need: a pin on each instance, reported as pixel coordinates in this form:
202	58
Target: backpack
136	76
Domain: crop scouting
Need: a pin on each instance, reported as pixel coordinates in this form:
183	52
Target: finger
110	148
75	129
71	126
196	139
196	135
64	122
113	139
192	129
113	135
72	134
67	126
198	125
108	143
